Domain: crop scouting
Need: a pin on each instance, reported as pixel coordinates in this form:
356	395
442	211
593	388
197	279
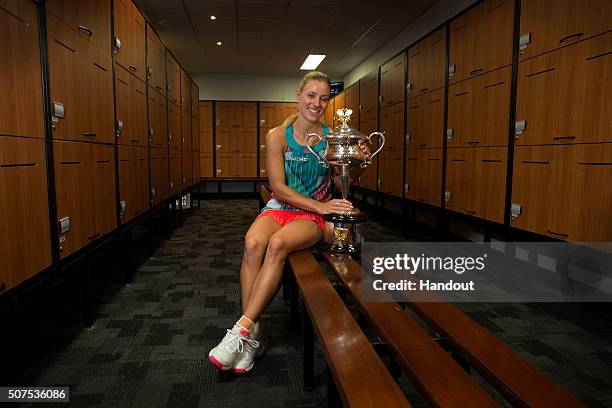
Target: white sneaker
246	360
231	347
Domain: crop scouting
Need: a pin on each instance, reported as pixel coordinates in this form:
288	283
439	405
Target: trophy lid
343	133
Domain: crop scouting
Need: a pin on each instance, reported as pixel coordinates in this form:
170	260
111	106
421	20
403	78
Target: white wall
431	19
234	87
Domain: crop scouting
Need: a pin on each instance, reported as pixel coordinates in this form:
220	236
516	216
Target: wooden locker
368	94
392	124
206	164
551	24
142	177
25	247
479	109
392	76
127	182
173	79
340	102
236	165
424	175
174	126
21	100
271	114
390	174
426	64
104	195
481	39
90	18
138	111
159	175
351	99
228	140
245	114
175	171
158	118
186	128
185	89
225	115
263	163
564	191
476	181
289	108
195	97
129	41
577	82
247	140
195	130
195	169
206	139
187	160
425	120
329	114
206	117
98	95
156	61
130	109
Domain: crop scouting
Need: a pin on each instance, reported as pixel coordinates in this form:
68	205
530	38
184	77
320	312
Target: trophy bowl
343	152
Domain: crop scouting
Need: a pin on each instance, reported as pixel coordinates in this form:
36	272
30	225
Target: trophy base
347	234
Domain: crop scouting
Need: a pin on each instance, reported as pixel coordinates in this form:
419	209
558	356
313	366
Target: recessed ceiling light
312	61
219	43
213	17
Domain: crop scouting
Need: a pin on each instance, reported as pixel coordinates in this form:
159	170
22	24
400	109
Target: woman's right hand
335	206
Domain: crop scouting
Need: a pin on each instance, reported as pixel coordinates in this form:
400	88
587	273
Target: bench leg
333	397
308	336
294	306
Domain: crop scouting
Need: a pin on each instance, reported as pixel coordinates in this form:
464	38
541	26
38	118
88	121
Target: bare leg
296	235
255	244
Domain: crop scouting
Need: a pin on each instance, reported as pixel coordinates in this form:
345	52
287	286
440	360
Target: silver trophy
343	152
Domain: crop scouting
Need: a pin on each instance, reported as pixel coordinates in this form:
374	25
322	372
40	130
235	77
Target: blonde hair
310	76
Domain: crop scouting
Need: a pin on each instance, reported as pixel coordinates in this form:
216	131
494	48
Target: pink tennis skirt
283	217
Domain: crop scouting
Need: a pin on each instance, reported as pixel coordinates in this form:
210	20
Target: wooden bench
433	372
361	378
509	373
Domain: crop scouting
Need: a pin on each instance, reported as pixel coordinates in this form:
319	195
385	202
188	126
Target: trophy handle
368	160
322	162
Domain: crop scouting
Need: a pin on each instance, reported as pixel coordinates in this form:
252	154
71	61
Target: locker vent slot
19	165
495	84
599	55
540	72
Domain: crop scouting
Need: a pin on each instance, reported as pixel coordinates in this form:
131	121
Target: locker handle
470	211
94	236
557	233
92	134
86	30
564	138
570	38
473	142
133	68
476	71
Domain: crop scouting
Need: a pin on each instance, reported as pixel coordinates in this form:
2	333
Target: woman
292	219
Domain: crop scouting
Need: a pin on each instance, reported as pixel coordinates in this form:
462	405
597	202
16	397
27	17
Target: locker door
494	36
392	81
340	101
462	50
104	199
156	61
591	218
174	79
390	177
247	163
271	114
25	248
490	109
127	182
206	164
577	80
185	128
22	99
533	169
263	164
195	131
227	165
432	175
187	168
392	123
122	106
414	174
490	183
138	113
247	140
368	94
98	96
137	43
246	114
228	140
163	138
328	115
289	108
556	23
175	178
206	139
460	109
185	89
436	59
122	19
159	175
142	180
67	68
74	192
225	114
460	186
174	122
352	102
433	120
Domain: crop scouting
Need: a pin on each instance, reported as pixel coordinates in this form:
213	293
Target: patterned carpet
150	339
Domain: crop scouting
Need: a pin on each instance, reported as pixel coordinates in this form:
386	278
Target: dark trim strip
540	72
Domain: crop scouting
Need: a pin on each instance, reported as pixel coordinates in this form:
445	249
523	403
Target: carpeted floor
150	339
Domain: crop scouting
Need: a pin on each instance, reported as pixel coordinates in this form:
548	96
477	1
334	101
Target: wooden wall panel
577	81
25	247
21	99
557	23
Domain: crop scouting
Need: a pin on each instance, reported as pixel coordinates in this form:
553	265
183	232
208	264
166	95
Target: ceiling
273	37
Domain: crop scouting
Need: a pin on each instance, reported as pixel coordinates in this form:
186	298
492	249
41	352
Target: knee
277	247
254	246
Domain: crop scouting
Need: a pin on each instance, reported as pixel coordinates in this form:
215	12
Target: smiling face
313	99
